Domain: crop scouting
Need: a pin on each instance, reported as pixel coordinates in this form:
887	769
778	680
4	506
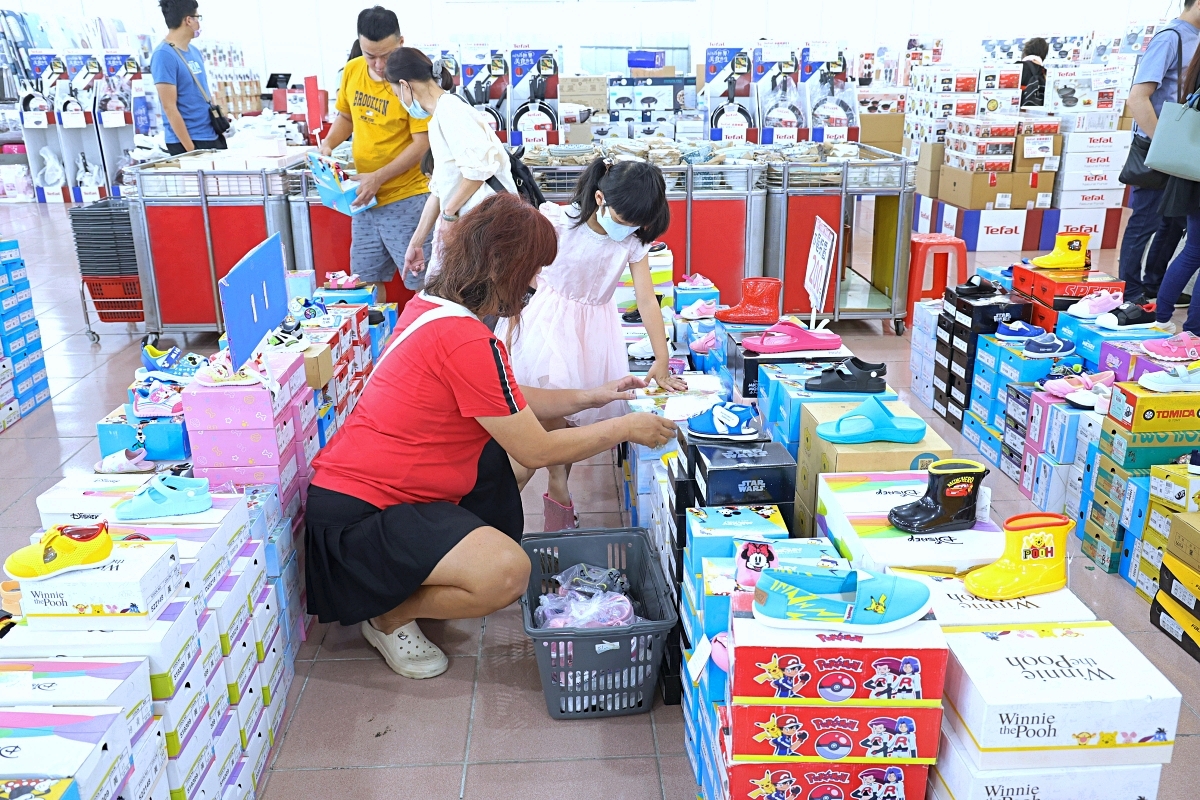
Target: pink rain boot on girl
558	516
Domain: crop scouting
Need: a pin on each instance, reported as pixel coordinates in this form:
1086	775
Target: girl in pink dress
569	336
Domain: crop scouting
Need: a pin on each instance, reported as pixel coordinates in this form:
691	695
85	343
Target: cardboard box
973	190
122	682
954	606
1033	702
126	594
1032	151
318	365
928	181
820	456
1032	190
1184	541
885	131
85	749
1143	450
1173	487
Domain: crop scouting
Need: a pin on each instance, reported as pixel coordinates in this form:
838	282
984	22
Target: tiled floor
481	731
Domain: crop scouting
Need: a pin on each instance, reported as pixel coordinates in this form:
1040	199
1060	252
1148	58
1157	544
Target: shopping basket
600	672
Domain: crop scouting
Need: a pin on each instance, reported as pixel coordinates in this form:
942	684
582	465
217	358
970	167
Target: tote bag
1175	148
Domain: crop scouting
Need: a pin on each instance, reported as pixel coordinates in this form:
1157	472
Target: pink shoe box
283	474
360	328
288	370
256	447
1039	417
215	408
1029	468
293	499
304	408
305	448
1143	363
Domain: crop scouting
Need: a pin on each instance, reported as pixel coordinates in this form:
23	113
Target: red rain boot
760	303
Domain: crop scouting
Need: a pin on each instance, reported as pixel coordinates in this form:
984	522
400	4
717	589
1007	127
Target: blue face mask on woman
414	108
615	230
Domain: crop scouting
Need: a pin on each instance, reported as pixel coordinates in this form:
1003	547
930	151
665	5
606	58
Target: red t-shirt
413	438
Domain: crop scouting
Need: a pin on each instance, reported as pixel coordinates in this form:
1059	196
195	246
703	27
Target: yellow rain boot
1034	560
1070	252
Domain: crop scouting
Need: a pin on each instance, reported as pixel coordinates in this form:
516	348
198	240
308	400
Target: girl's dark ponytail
634	190
586	187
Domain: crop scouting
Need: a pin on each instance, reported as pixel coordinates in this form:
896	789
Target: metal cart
799	193
190	228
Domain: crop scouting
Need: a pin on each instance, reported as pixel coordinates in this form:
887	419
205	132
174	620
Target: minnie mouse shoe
407	651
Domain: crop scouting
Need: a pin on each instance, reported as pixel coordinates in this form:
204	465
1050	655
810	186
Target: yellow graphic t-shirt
382	129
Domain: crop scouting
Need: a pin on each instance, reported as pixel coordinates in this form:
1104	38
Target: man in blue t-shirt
1161	70
177	68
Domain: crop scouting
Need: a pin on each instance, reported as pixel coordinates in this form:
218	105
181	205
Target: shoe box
1059	289
744	364
792	397
121	682
711	531
1034	701
983	315
1128	361
759	476
1141	410
1090	339
73	751
954	606
1174	487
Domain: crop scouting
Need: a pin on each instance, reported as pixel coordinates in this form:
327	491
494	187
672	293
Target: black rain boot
635	316
949	501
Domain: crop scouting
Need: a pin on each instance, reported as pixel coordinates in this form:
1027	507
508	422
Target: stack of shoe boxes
23	382
1128	361
962	322
1087	440
1052	292
1049	475
1087	189
1090	340
1024	716
1175	610
924	339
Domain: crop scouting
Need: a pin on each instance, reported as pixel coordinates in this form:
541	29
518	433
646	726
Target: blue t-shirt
167	67
1161	65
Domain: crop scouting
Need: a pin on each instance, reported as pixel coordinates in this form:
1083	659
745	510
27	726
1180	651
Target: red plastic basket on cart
117	299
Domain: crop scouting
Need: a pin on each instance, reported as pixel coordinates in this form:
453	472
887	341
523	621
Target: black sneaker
1194	463
1184	301
374	317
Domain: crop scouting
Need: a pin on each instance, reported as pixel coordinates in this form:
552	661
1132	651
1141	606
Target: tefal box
1175	488
1057	695
128	593
1048	286
807	734
954	606
120	682
804	668
955	776
735	476
852	511
755	780
1137	409
89	746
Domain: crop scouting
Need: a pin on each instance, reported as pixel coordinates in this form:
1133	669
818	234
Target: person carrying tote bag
1175	148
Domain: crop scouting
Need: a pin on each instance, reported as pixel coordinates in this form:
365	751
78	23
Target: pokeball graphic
833	745
836	687
826	792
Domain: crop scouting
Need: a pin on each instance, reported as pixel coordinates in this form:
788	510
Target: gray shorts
380	237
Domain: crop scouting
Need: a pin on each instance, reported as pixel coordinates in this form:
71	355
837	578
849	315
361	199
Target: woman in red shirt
414	511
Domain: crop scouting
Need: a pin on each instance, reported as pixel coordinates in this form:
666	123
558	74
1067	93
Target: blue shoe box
685	296
1090	339
360	295
777	434
770	377
326	423
986	440
13	342
1089	488
1131	554
301	284
35	394
1069	328
710	532
1016	368
9	250
379	337
792	397
33	335
23	293
714	606
987	381
17	271
164	439
1062	432
996	275
980	405
714	682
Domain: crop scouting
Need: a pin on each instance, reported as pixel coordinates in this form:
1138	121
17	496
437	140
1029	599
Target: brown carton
973	190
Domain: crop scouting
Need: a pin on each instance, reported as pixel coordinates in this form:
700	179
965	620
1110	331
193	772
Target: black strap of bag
1135	172
216	116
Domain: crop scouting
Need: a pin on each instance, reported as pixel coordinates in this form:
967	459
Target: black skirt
362	561
1181	198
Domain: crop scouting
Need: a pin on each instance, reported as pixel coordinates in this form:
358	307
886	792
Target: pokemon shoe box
89	745
84	499
852	511
120	682
710	531
953	605
1028	696
956	777
768	781
845	733
126	594
905	668
170	645
149	762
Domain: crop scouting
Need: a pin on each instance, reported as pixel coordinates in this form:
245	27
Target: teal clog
872	422
852	601
167	496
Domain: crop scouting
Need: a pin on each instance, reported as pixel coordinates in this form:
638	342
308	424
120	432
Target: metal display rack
190	228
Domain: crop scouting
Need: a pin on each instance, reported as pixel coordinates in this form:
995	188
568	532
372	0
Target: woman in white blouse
467	155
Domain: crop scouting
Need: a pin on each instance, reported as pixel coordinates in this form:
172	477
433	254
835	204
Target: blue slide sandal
872	422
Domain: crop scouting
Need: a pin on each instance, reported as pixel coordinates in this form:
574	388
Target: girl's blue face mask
615	230
413	108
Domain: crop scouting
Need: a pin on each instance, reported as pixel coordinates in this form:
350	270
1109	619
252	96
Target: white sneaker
1166	327
642	348
407	651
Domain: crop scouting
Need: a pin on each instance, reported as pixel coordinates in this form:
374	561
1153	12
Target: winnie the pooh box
1025	696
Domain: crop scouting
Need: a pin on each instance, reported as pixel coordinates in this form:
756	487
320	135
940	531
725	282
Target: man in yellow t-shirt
388	146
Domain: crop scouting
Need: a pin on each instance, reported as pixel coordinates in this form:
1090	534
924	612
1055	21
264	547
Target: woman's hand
414	258
612	391
650	430
660	373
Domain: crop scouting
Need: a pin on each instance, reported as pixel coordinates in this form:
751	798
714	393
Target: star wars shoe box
742	476
815	734
689	444
69	752
120	682
1029	696
955	776
901	669
954	606
984	314
744	363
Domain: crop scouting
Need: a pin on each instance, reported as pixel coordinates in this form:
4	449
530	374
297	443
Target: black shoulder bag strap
1135	172
217	117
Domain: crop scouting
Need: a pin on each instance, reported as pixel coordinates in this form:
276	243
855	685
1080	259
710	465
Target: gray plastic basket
600	672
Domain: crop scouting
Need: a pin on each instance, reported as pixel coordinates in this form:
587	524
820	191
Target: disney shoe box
1032	696
954	606
711	531
120	682
85	746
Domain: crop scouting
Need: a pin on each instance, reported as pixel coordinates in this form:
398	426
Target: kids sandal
166	496
725	421
124	462
872	422
786	336
701	309
1183	346
1101	301
853	601
63	548
704	343
852	375
156	401
340	280
977	286
288	336
1176	379
169	365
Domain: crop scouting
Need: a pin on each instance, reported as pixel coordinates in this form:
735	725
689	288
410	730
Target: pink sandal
786	336
340	280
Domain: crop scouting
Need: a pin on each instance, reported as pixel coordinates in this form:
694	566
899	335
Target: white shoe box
86	499
186	771
230	601
251	711
184	714
227	745
149	763
240	663
1029	696
210	645
89	745
954	606
1083	180
956	777
122	682
218	695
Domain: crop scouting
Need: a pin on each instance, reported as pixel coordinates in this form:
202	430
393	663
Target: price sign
112	119
820	263
74	119
35	119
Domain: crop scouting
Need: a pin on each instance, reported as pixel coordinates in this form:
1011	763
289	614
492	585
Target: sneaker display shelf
23	382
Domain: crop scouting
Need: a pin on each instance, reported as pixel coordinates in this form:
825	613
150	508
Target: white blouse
465	146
